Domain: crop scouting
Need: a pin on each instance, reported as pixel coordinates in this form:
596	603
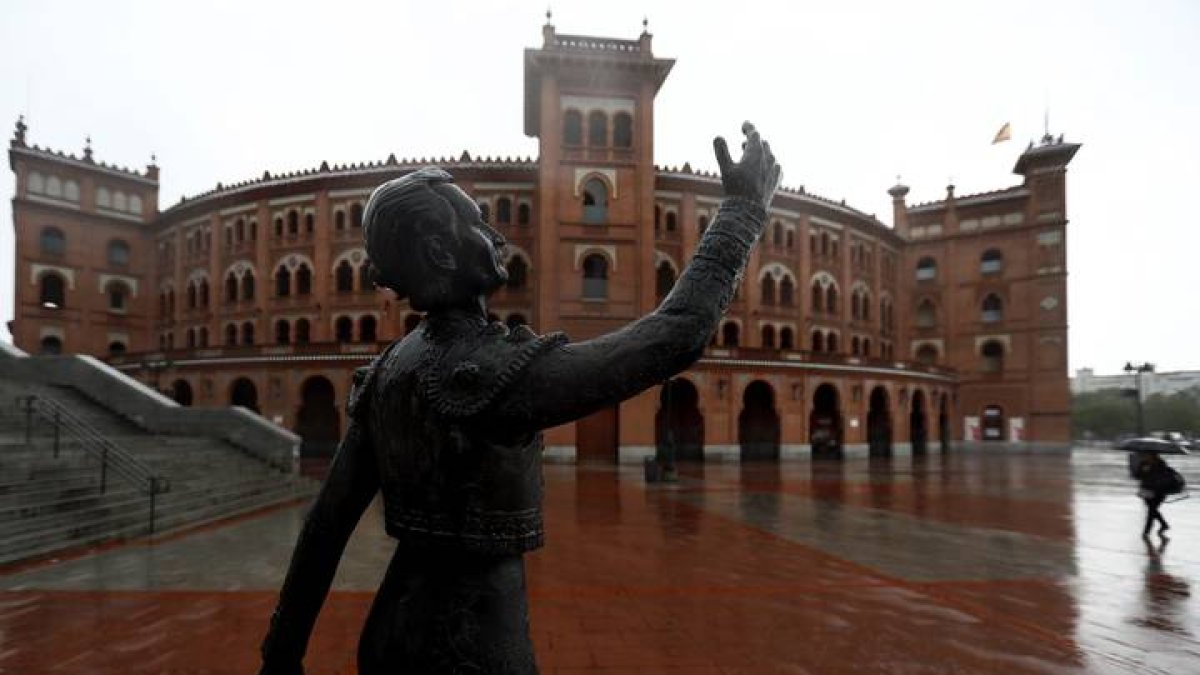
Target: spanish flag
1004	134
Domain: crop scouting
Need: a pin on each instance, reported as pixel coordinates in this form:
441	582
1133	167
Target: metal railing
111	457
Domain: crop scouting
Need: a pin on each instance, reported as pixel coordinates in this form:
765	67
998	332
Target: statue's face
480	248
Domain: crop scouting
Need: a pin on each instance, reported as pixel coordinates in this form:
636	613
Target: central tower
590	103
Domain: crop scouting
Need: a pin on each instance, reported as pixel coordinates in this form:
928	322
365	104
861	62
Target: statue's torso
448	480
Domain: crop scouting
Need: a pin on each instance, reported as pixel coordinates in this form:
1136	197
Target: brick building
951	324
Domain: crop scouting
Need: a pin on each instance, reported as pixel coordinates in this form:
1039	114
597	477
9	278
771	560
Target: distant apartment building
1087	381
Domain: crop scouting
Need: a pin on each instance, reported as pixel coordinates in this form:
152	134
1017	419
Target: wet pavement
959	563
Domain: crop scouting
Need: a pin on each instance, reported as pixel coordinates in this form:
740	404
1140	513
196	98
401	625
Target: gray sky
850	94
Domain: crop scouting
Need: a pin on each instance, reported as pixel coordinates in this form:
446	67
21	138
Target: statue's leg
449	613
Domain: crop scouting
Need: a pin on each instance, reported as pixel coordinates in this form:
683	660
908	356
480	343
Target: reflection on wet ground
957	563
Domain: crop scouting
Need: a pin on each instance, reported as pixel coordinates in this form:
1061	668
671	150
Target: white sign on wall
971	428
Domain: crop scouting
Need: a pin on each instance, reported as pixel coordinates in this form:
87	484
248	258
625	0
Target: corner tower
590	103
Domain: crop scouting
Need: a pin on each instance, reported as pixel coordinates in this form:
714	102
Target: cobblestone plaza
940	563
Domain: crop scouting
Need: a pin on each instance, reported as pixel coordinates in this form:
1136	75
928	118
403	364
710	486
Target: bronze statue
447	424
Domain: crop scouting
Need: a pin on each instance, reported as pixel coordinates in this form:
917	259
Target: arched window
768	290
597	129
854	305
344	277
343	329
103	198
824	243
52	294
818	297
702	224
927	354
51	345
278	227
54	189
485	212
523	214
356	215
595	277
818	341
831	299
518	273
283	332
366	329
866	347
118	296
926	314
231	335
283	282
303	331
191	295
504	210
231	288
293	222
768	337
787	339
339	220
247	333
623	130
926	269
595	201
309	221
366	279
202	337
831	343
572	128
777	234
203	290
993	309
865	307
303	280
248	285
191	338
239	230
53	241
118	253
37	183
789	239
854	345
672	221
991	262
992	352
730	334
171	301
664	280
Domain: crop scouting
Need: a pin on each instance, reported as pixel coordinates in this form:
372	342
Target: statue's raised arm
573	380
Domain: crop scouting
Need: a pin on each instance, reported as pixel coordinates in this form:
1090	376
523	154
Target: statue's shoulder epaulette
466	376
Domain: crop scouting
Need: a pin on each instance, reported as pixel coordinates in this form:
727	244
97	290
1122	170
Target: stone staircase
49	503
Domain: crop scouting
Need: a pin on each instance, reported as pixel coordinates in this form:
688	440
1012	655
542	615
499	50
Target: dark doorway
993	423
944	423
50	346
596	437
879	424
918	424
678	423
244	393
317	419
758	423
181	391
825	423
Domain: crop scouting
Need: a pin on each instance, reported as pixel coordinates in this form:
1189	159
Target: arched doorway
596	437
758	423
825	423
993	423
679	423
879	423
181	391
317	419
244	393
918	426
944	423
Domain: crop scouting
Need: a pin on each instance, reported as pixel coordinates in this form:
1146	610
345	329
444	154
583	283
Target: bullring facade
950	325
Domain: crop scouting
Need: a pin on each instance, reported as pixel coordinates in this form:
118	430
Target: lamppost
1136	370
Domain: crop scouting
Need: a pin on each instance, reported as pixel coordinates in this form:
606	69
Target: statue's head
427	241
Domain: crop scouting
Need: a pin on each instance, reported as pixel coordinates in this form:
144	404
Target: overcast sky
850	95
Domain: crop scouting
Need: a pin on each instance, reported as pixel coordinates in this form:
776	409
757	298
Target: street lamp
1136	370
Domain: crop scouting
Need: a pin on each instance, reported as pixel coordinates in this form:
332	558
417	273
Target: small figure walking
1156	480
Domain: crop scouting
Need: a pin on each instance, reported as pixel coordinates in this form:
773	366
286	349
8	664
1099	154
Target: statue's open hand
757	176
